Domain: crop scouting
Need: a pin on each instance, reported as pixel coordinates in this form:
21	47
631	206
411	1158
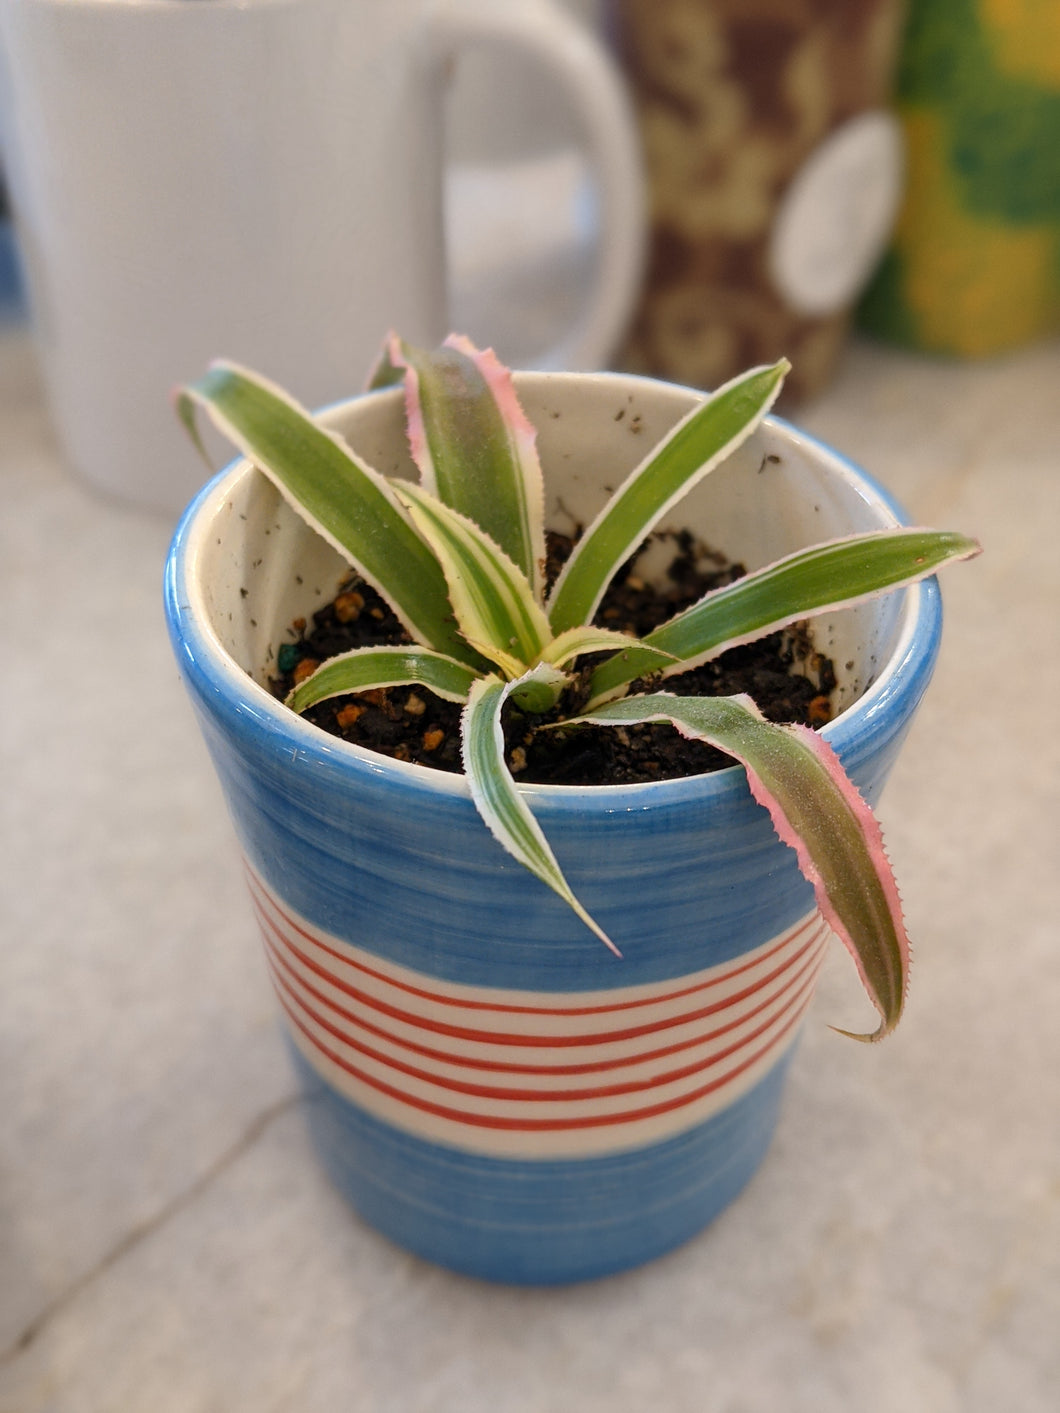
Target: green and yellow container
974	263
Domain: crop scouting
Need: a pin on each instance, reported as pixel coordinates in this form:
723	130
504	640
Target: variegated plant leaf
814	807
346	502
497	798
493	602
818	580
700	441
474	445
590	639
539	689
363	669
385	373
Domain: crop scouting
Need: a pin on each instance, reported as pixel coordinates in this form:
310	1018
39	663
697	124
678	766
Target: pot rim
202	656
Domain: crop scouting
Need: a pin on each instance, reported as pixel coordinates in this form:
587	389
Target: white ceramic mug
260	179
498	110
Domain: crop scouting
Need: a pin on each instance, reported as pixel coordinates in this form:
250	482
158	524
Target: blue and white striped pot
493	1088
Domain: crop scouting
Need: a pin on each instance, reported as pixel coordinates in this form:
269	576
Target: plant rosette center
789	680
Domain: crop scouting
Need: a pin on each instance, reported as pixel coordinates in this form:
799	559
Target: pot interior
262	568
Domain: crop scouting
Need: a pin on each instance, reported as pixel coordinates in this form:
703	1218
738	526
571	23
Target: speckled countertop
167	1242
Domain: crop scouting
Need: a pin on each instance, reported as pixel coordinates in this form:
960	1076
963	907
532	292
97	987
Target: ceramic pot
492	1088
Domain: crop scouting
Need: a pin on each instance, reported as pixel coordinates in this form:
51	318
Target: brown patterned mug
774	172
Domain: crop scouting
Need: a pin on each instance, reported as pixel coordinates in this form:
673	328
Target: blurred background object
974	267
499	109
11	301
265	182
522	208
774	172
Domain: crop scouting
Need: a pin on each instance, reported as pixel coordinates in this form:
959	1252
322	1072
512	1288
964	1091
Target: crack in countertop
142	1230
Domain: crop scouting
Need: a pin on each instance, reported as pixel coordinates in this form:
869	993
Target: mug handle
545	32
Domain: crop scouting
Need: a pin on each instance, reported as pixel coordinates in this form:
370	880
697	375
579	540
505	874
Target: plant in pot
494	1087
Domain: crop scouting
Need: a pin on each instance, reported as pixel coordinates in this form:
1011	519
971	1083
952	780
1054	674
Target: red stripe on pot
552	1075
358	1023
525	1025
549	1124
320	1023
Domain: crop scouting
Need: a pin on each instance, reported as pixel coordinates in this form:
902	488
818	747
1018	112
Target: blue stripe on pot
540	1223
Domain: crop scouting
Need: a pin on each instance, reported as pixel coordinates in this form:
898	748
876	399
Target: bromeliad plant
460	557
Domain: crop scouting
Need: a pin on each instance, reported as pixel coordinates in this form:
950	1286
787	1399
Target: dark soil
787	679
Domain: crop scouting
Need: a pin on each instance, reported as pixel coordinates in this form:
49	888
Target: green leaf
814	807
344	501
590	639
699	442
366	668
494	605
474	445
811	581
497	799
539	689
385	373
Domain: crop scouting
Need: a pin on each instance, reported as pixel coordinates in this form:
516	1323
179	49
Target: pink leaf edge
873	835
415	427
498	379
